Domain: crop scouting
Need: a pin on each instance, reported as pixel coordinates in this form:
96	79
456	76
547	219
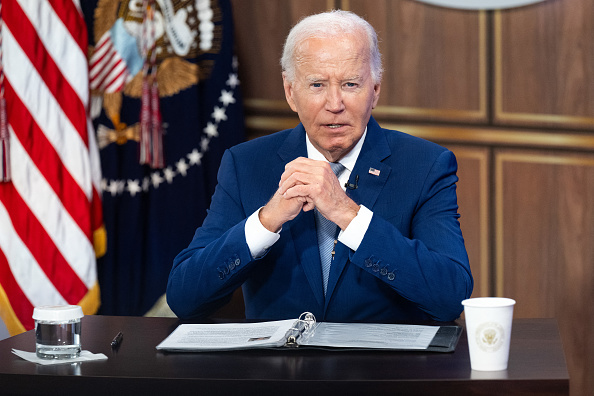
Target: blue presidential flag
166	104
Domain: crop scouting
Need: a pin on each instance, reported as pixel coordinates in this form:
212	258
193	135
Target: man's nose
334	102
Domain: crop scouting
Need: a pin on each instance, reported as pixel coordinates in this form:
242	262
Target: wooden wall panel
473	202
261	27
545	249
544	62
420	45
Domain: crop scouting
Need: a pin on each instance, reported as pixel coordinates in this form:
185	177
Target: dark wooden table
537	366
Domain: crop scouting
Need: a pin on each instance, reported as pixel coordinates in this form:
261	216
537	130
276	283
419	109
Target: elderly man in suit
337	216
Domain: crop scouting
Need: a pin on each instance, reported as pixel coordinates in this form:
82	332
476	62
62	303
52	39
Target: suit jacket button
391	276
368	263
237	262
376	267
384	271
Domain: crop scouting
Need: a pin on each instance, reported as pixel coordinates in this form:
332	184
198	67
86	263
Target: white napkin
85	356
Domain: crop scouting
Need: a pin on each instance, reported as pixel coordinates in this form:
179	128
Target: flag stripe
12	297
46	112
46	207
29	278
37	146
64	49
109	75
105	76
40	256
108	71
73	21
101	56
50	211
117	83
109	58
26	36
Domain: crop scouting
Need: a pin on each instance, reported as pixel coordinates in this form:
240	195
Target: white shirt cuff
354	233
258	237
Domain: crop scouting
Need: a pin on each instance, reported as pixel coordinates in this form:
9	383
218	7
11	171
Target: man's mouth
334	126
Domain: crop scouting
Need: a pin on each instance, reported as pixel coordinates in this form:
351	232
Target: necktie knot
337	168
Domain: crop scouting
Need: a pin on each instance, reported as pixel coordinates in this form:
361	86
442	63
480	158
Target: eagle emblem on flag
175	31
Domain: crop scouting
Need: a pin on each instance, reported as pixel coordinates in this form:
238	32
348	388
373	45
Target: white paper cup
488	326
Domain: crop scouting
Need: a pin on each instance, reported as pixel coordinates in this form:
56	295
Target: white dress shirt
260	239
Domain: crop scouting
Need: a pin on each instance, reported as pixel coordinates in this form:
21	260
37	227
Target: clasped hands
304	185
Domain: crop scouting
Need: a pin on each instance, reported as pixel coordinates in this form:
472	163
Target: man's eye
351	85
316	85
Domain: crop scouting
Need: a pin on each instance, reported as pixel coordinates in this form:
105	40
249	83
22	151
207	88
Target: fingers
307	184
306	191
280	210
315	181
308	172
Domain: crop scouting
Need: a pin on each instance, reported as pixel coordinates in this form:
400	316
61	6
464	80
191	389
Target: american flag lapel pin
374	172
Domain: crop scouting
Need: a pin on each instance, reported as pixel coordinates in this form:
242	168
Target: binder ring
308	319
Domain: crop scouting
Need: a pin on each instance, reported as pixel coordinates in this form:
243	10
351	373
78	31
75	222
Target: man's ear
288	86
376	94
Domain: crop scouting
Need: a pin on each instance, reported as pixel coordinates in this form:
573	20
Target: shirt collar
348	161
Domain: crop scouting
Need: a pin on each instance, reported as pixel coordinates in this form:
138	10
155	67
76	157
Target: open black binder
306	332
445	339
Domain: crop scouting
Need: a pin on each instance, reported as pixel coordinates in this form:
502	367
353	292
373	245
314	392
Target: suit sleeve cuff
258	238
355	231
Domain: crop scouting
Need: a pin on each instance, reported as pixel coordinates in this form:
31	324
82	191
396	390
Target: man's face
333	92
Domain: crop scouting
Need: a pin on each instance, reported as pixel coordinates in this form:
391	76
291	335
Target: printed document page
227	336
370	335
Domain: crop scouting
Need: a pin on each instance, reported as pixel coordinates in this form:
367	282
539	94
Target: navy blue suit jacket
411	264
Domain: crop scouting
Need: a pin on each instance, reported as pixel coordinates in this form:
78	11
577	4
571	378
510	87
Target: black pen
117	339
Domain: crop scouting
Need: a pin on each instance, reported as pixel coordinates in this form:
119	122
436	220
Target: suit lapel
374	150
302	228
372	172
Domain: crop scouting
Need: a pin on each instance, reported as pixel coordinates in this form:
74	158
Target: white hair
330	24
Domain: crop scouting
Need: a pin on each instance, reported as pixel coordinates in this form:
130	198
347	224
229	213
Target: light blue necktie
327	234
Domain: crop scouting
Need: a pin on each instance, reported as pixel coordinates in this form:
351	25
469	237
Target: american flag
374	172
50	211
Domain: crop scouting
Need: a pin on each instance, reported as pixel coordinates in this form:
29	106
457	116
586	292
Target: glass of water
57	331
